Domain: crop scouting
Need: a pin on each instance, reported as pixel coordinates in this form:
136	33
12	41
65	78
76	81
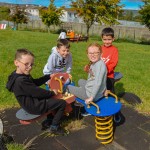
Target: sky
129	4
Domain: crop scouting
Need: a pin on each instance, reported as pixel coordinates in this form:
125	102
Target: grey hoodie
96	82
56	63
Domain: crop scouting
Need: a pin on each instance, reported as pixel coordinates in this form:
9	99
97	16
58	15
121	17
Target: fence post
81	28
134	35
119	34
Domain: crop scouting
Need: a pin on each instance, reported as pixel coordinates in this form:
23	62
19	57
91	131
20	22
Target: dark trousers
110	84
58	106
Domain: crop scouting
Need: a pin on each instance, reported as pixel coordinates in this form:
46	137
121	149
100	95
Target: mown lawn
133	63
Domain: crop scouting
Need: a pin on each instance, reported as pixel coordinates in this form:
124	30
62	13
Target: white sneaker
85	114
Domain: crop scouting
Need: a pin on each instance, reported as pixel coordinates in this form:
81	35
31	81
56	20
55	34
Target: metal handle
60	83
115	96
98	110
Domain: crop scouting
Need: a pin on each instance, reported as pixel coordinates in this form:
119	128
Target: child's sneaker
46	124
57	130
117	117
85	114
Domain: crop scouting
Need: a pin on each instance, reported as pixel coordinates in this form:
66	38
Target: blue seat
107	105
117	76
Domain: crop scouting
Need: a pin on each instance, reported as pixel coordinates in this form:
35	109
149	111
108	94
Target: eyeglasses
27	65
95	53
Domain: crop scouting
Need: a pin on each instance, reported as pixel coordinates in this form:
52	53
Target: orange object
71	34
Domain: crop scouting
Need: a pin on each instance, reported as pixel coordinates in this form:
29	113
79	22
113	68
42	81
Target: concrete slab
145	127
83	139
112	146
132	120
135	140
47	143
132	133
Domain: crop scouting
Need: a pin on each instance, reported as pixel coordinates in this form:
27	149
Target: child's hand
55	91
86	68
51	75
106	93
88	100
70	76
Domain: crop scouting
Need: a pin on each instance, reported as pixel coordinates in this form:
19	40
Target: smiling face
63	51
94	53
107	40
24	64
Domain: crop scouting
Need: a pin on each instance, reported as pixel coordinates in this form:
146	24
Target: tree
145	13
19	16
51	15
4	13
129	15
101	11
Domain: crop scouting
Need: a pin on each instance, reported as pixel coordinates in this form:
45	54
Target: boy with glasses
31	97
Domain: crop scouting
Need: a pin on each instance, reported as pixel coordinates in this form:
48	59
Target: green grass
14	146
133	63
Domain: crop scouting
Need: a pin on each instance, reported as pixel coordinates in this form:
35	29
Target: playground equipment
103	110
58	82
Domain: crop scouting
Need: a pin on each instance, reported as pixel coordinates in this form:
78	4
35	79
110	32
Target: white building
32	10
70	16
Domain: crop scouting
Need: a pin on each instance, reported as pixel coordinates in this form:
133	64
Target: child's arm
51	64
31	89
88	100
112	62
41	80
49	67
55	91
86	68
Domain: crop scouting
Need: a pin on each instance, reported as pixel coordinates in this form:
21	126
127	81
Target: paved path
133	133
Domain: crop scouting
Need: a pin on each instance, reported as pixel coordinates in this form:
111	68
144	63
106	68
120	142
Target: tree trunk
16	26
87	31
48	28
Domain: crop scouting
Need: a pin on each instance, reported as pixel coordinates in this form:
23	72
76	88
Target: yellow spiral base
104	129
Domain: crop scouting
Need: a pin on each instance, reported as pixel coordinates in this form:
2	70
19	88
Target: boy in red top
109	56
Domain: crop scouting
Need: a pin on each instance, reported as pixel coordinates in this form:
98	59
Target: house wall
70	16
32	11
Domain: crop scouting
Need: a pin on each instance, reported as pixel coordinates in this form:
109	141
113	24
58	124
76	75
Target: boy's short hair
63	42
107	32
21	52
